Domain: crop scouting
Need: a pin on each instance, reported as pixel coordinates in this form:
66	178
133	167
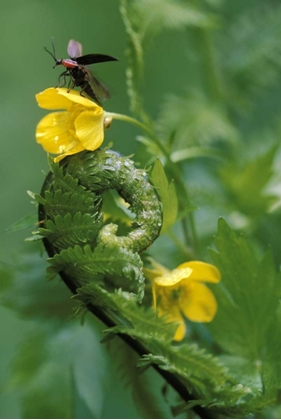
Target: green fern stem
72	222
87	253
173	167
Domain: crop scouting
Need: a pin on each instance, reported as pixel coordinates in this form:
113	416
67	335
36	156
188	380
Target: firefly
79	74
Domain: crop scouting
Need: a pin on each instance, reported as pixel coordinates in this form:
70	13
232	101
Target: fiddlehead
72	223
99	266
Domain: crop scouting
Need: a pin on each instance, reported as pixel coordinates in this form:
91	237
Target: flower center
176	294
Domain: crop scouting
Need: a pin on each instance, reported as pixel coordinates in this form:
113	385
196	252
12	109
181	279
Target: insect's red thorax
69	64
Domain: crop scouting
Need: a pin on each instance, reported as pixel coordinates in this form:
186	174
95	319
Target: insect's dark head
58	62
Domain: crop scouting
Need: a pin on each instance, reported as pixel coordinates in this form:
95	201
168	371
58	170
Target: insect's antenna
49	52
53	44
53	54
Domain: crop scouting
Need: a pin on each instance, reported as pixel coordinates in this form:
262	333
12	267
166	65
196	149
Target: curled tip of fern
73	226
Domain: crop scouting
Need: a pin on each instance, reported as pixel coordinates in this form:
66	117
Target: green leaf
36	197
28	221
195	119
68	230
246	182
203	374
167	194
50	393
158	15
89	369
114	208
31	354
244	370
43	380
80	200
195	152
28	294
54	370
249	52
110	259
199	370
143	322
247	296
147	386
191	363
151	147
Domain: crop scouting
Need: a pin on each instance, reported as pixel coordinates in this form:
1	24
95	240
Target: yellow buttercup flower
182	292
79	127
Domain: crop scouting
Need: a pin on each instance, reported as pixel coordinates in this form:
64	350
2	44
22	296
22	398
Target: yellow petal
54	133
73	151
175	316
181	331
158	270
202	271
51	99
150	273
200	304
173	277
89	128
77	98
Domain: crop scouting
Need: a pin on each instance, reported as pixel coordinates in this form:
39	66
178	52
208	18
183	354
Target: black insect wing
93	59
82	78
80	75
74	50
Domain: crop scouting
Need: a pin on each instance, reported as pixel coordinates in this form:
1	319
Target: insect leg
71	84
65	73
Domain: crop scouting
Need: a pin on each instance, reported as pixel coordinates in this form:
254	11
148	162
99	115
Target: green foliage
210	81
144	387
66	231
195	119
115	209
56	368
248	321
54	361
248	296
27	293
71	203
199	370
157	15
246	182
142	321
134	54
167	194
26	222
108	259
250	51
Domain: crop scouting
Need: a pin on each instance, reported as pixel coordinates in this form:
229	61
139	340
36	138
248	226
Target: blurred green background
26	69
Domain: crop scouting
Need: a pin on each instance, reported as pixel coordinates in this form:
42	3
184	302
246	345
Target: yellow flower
181	292
79	127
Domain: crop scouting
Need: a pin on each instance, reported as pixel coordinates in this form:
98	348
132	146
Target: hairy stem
212	76
184	249
170	378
